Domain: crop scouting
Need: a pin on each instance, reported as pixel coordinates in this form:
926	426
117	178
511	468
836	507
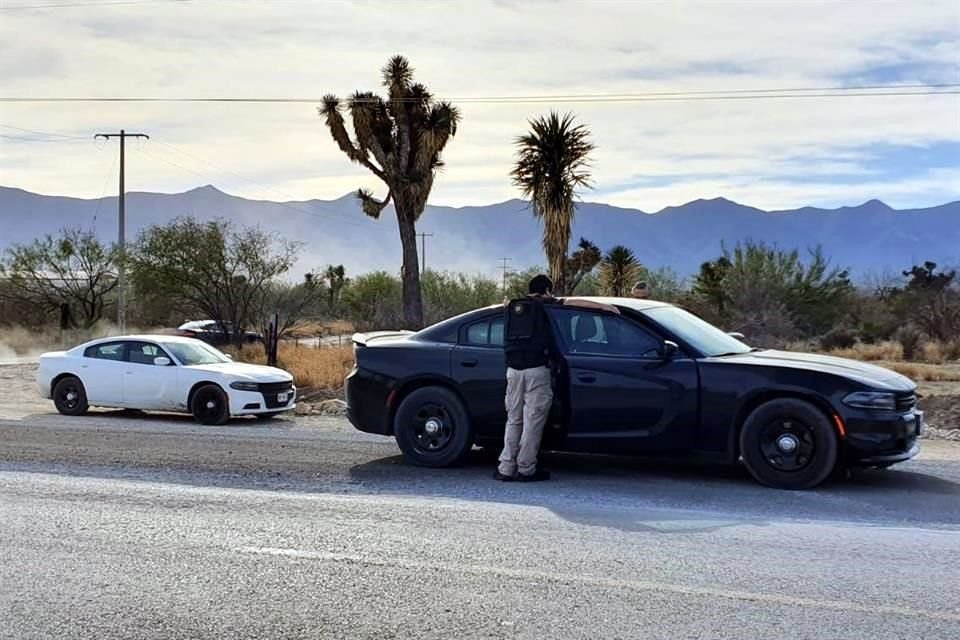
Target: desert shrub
909	339
952	350
839	338
791	297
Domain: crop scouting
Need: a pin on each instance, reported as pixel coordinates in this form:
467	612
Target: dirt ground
19	398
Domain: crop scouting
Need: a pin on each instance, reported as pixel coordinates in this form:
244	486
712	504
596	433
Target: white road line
638	585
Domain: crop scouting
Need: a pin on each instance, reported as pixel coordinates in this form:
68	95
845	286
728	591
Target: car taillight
186	334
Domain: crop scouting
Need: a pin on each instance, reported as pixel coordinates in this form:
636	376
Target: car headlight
245	386
871	400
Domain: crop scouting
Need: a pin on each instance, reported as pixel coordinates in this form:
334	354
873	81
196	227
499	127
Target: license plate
919	423
282	397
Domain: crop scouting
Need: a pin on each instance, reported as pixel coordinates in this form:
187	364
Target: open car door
621	387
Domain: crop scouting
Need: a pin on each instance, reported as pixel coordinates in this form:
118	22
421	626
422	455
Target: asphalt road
119	527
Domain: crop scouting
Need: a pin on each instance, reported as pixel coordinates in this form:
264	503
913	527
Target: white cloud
483	49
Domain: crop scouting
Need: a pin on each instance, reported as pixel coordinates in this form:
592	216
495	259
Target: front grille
270	391
275	387
906	403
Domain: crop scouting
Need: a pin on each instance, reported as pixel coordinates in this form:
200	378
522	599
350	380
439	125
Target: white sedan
162	373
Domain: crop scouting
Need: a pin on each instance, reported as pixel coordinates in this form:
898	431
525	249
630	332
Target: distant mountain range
870	237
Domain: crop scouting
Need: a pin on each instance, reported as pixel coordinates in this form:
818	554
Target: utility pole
506	269
423	251
122	242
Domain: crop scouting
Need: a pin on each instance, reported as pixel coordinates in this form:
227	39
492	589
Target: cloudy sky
771	153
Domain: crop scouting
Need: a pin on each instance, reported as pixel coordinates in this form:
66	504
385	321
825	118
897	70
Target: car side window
105	351
589	332
485	333
144	352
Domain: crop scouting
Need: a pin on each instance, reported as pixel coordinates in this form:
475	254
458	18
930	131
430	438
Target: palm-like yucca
552	164
399	139
619	271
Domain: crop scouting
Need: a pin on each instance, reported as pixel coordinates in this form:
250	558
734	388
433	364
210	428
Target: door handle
589	379
468	363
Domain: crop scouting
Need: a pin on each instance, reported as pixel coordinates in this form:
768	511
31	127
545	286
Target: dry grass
311	368
888	350
919	371
930	352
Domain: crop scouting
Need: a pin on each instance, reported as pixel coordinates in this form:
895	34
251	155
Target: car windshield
193	353
699	334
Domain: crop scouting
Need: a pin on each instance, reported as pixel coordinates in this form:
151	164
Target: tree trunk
410	272
559	277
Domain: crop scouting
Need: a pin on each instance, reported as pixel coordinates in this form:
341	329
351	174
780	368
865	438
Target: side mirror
670	349
229	357
161	361
736	334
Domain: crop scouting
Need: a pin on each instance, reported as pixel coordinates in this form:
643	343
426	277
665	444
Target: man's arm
589	304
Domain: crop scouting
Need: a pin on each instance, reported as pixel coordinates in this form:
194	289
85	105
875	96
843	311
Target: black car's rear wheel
70	397
432	428
788	444
209	405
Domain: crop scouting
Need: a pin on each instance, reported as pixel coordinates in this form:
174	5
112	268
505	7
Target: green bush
448	294
374	301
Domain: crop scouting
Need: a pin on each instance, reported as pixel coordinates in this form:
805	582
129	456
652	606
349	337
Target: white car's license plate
282	397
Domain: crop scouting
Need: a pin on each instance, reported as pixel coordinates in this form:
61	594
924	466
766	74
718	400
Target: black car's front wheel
432	428
788	443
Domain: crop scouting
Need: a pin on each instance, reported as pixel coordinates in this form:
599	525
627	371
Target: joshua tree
552	163
619	271
336	277
580	263
399	139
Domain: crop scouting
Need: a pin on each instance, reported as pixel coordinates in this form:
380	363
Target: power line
662	96
103	192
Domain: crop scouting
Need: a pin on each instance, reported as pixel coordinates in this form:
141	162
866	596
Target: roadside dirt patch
18	391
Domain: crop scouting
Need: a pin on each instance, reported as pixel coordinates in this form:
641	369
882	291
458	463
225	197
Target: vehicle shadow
145	418
674	496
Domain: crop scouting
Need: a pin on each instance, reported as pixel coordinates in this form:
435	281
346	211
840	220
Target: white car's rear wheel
209	405
70	397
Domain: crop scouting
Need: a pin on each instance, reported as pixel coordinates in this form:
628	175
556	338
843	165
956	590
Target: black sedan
654	380
215	333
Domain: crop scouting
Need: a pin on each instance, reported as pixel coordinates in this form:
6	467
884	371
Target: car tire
789	444
69	397
432	428
210	405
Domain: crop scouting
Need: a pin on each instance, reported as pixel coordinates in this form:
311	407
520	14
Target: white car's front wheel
210	405
70	397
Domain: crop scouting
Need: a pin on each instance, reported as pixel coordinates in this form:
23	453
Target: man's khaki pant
529	396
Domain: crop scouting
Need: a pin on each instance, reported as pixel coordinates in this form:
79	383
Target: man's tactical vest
527	337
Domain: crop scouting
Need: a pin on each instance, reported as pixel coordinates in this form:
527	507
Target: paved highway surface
120	527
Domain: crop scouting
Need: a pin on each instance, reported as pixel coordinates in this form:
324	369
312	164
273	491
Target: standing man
529	346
